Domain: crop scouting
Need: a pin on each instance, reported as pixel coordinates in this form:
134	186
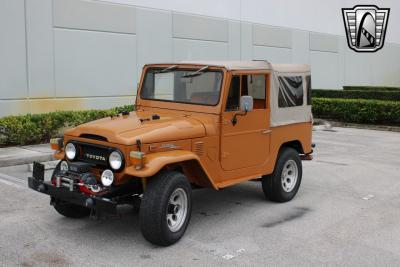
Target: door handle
266	131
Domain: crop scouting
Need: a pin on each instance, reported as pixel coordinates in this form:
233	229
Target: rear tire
70	210
283	184
165	208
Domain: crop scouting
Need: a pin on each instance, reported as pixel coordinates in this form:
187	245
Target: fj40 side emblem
365	27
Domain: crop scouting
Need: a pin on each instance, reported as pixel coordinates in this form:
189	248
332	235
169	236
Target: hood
125	130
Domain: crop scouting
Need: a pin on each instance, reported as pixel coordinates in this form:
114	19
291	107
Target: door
246	143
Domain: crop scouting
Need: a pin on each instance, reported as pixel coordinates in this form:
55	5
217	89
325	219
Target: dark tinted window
308	83
290	91
232	103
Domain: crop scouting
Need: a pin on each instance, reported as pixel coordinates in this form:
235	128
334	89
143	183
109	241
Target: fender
154	162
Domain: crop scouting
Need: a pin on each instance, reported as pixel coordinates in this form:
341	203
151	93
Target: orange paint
200	140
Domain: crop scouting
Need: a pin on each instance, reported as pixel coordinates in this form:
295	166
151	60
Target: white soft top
252	65
279	115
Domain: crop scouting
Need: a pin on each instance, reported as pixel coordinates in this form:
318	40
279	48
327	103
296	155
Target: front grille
96	155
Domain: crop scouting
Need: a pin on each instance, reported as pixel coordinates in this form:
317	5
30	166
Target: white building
78	54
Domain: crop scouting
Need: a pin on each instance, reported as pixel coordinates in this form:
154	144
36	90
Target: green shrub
371	88
357	110
360	94
31	129
37	128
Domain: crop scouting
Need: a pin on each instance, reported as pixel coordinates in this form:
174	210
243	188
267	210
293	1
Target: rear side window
308	84
290	91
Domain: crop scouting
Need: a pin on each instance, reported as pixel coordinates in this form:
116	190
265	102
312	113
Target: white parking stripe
5	179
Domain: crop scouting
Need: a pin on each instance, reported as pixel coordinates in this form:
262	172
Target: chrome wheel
289	175
177	209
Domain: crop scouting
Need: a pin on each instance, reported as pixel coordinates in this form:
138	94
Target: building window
290	91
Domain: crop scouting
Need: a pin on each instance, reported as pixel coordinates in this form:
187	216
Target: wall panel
94	63
154	37
200	28
199	50
272	36
40	48
13	81
94	15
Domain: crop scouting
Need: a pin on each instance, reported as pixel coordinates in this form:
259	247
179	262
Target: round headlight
115	160
107	177
64	166
70	151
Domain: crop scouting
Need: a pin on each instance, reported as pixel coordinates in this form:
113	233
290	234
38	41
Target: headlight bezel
75	152
121	157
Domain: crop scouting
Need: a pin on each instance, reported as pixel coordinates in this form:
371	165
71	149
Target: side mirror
246	103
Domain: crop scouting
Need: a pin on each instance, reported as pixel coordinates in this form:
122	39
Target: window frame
266	75
182	102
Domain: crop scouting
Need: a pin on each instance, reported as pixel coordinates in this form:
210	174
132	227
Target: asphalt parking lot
346	213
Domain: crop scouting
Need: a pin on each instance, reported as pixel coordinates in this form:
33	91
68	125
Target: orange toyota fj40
196	124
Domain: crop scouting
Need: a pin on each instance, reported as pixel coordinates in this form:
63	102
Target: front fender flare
154	162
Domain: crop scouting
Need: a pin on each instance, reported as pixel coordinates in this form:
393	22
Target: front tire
283	184
165	208
70	210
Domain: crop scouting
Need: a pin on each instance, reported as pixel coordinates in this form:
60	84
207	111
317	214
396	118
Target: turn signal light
137	159
56	143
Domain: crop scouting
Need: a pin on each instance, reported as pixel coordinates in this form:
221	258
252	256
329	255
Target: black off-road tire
272	184
155	205
70	210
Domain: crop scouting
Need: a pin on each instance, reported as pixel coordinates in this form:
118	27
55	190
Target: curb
22	155
319	122
25	160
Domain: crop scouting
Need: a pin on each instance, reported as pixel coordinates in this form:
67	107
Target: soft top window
290	91
308	84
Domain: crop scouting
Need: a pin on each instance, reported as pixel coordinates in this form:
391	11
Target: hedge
357	110
359	94
37	128
370	88
31	129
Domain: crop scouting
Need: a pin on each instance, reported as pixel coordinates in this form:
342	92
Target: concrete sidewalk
11	156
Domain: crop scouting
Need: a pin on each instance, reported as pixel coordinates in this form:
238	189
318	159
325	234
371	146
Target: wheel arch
295	144
176	160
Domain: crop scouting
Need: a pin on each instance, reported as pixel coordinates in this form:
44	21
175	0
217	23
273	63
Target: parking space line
6	179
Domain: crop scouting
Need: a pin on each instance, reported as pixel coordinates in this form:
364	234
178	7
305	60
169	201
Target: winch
77	176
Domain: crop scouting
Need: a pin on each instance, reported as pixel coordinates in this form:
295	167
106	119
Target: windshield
191	86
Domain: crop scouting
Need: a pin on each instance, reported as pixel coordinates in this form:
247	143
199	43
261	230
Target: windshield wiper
196	73
170	68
